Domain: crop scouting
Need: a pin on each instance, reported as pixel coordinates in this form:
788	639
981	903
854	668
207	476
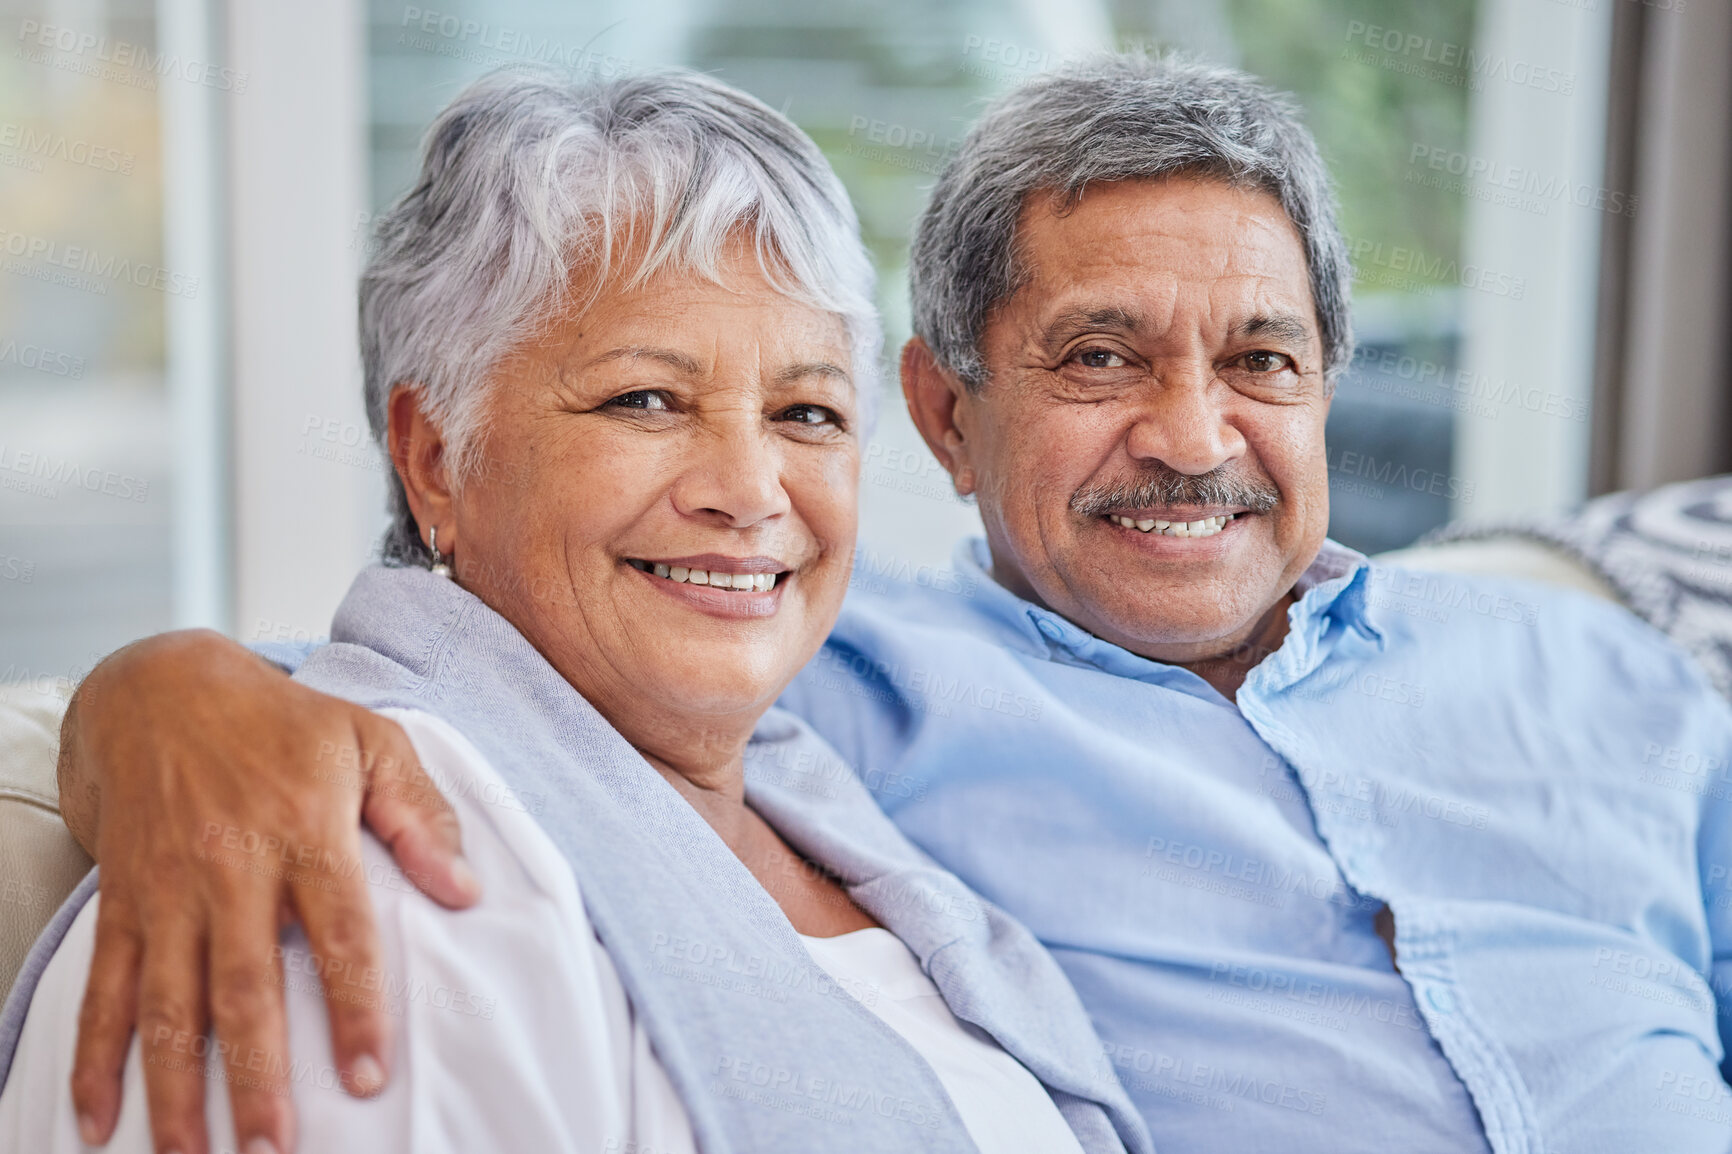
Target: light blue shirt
1535	782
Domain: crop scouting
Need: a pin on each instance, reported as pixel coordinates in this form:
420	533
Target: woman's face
665	499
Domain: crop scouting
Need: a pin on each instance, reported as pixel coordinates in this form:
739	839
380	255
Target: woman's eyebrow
804	369
673	358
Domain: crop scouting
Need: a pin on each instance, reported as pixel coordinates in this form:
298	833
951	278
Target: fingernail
366	1076
464	879
260	1145
87	1131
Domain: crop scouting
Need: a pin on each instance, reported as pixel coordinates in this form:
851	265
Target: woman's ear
933	396
418	454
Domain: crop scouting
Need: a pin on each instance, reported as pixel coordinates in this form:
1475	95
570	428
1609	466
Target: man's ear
418	454
934	395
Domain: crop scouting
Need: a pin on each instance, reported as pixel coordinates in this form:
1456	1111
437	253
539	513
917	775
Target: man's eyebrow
673	358
1281	326
1074	321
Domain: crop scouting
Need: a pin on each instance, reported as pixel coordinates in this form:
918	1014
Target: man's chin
1207	609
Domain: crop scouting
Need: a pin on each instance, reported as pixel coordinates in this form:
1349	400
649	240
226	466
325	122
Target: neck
1223	664
1227	671
716	791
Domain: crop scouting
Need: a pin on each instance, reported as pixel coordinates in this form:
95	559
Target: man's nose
1183	423
733	473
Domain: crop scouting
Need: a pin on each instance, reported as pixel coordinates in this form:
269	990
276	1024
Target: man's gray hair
1110	118
534	188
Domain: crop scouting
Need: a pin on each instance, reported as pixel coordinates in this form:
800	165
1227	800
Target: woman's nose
733	474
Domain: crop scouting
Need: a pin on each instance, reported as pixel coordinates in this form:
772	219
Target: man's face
1160	363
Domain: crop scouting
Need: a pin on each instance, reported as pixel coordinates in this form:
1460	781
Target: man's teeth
745	582
1207	527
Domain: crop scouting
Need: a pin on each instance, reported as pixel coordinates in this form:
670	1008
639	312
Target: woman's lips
742	575
746	594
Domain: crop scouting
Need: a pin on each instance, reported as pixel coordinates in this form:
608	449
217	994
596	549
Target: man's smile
1171	526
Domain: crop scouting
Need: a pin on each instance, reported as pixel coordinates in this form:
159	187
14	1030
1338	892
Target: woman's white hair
529	178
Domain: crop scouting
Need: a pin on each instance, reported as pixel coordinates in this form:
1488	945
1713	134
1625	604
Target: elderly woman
620	345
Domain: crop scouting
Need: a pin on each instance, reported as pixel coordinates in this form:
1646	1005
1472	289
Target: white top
1004	1106
512	1030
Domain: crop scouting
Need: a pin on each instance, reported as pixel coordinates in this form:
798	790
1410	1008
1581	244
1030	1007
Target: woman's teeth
1207	527
744	582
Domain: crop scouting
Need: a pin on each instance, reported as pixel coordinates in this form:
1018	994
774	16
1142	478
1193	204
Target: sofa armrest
40	863
1503	557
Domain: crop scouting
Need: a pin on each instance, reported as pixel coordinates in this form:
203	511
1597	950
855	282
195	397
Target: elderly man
1338	857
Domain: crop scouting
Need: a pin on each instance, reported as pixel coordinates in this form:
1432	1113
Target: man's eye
649	400
811	415
1100	359
1263	361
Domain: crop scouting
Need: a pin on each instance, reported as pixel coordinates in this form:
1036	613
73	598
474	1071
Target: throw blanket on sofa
1667	554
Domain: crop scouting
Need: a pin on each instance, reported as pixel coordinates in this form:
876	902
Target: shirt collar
1331	598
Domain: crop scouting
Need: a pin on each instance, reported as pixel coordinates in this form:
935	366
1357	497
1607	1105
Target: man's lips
1176	522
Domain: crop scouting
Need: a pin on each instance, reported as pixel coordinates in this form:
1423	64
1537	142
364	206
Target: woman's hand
223	800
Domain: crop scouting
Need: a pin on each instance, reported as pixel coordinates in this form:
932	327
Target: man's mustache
1158	485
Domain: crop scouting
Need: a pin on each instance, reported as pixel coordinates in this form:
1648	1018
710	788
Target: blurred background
1535	193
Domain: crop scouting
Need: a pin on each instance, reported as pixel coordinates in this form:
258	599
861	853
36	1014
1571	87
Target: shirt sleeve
510	1028
285	655
1715	862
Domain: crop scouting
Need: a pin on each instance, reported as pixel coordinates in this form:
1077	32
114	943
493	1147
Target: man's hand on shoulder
222	800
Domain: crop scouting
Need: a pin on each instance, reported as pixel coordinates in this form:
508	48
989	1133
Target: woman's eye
811	415
1263	361
1100	359
649	400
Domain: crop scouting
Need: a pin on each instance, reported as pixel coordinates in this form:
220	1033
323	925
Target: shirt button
1050	630
1441	999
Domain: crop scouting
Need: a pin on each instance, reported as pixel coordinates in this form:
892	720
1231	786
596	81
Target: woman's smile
719	585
